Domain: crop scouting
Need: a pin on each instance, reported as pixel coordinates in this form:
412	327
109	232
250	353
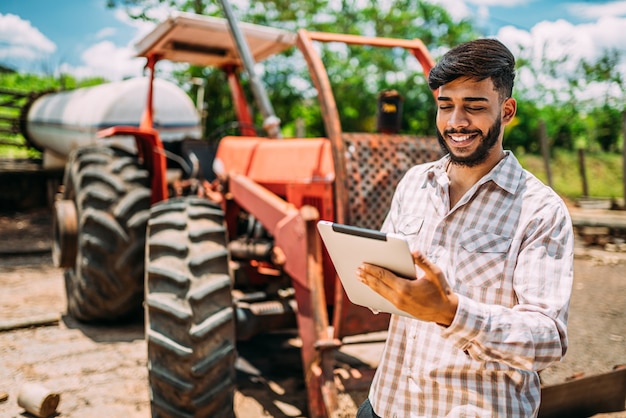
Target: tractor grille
375	163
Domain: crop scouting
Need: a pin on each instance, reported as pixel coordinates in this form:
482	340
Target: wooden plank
38	321
585	396
11	166
599	218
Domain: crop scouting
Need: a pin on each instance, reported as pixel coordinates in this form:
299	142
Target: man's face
470	118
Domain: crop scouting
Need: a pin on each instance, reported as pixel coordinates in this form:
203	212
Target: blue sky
525	15
72	25
43	36
85	38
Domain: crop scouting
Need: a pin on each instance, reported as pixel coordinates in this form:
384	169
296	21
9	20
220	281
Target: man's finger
373	270
424	263
432	271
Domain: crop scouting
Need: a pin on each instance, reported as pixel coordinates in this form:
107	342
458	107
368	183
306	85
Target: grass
604	173
8	151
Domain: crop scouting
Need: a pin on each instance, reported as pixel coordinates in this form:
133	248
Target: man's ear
509	108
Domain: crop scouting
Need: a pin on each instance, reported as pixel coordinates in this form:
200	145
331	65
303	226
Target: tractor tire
111	193
190	322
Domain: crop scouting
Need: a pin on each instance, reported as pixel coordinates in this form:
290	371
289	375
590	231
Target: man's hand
428	298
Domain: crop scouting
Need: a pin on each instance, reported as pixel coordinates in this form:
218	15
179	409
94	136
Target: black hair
479	59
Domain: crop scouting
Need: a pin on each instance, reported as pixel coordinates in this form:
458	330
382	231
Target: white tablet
350	246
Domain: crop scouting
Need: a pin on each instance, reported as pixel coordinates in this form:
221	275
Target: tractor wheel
111	197
190	323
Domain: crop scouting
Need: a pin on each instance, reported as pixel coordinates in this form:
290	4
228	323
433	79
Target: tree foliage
357	74
16	91
579	101
33	83
606	119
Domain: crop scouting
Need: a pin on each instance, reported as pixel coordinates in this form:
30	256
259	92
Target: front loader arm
295	236
280	218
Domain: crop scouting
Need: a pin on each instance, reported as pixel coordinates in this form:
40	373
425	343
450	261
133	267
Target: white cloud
21	42
456	8
562	40
115	62
105	33
107	60
142	27
607	33
596	11
500	3
552	40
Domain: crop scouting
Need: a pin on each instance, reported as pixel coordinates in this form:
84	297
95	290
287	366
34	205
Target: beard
487	142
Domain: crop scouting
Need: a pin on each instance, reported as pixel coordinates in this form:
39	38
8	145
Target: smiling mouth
461	139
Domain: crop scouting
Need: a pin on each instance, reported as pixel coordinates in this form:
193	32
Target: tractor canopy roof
207	41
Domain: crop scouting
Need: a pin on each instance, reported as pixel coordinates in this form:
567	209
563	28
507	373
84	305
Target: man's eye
475	109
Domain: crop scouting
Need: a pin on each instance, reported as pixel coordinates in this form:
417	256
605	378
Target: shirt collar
506	174
436	172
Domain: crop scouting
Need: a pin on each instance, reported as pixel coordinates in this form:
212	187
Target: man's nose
458	118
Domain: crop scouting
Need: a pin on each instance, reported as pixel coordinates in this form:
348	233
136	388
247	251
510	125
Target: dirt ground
101	371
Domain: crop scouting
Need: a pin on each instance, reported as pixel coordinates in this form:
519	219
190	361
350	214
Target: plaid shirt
506	249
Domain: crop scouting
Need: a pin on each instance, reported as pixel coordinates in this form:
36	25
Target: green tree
522	134
553	94
16	90
605	122
604	74
357	74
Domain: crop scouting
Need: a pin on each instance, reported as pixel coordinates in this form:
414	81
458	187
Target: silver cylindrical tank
60	122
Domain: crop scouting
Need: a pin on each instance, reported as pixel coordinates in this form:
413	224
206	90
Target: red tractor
237	256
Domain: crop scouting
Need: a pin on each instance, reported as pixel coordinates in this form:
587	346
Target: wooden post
624	158
583	171
545	152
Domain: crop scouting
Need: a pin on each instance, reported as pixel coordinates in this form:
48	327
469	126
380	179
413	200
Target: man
493	248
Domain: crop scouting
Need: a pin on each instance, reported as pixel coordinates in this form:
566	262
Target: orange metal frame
149	145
